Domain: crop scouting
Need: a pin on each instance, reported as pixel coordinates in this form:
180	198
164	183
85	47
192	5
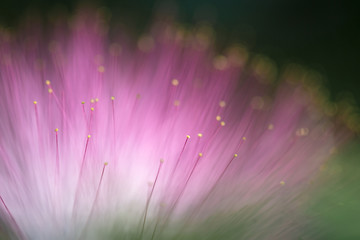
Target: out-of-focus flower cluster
161	139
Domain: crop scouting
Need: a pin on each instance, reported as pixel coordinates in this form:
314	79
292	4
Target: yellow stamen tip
175	82
106	163
101	69
35	102
92	100
113	98
96	99
235	155
222	103
222	123
218	118
188	136
200	154
50	90
244	138
92	109
161	160
82	102
282	183
89	136
47	82
56	129
200	135
302	132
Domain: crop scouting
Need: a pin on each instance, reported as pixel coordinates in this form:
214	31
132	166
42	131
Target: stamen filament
19	232
149	198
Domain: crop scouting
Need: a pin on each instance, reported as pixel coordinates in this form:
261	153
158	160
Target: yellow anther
222	123
271	126
47	82
200	135
222	103
89	136
244	138
92	109
176	103
302	132
56	129
92	100
282	183
161	160
188	136
82	102
50	90
138	96
106	163
235	155
220	62
101	69
113	98
200	154
96	99
175	82
218	118
35	102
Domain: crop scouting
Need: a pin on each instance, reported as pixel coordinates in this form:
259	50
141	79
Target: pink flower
101	137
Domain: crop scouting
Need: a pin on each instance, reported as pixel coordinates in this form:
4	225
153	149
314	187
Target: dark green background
323	35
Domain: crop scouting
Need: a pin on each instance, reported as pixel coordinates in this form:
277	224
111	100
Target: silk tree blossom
161	139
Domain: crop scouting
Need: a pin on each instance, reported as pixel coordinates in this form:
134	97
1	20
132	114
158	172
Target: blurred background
322	35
